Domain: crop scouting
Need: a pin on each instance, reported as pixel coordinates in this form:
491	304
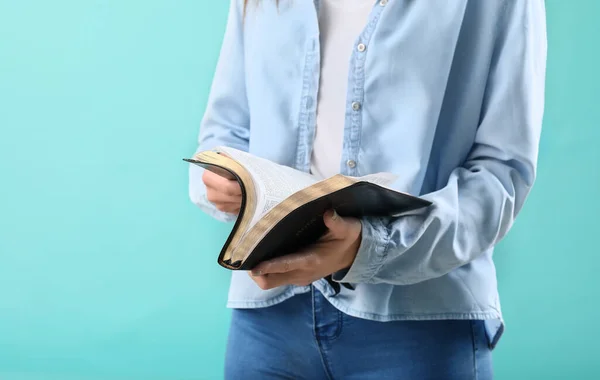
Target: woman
449	97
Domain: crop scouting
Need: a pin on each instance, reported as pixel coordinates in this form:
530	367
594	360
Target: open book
282	208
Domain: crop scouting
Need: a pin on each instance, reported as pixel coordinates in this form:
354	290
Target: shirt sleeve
482	198
226	118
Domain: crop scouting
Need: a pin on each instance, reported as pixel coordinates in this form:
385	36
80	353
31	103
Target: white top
340	23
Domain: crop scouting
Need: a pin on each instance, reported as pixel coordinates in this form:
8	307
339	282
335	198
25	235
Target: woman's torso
417	88
415	95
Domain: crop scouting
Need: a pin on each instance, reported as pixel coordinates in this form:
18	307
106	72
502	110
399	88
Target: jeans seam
474	342
324	360
340	326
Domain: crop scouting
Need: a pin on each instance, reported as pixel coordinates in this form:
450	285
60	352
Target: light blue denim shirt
449	96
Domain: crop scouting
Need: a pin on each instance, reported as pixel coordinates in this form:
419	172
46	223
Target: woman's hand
224	193
334	252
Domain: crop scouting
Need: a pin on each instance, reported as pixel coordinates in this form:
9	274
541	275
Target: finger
211	179
233	208
215	196
327	237
274	280
288	263
339	227
226	187
221	184
232	188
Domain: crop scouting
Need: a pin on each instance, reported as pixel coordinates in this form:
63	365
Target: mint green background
108	272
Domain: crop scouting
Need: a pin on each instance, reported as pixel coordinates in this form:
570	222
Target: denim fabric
307	338
450	97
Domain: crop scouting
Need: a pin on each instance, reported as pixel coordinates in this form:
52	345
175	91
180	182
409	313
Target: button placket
352	144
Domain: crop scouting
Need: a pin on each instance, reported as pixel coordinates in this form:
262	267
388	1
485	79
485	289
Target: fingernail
335	215
256	272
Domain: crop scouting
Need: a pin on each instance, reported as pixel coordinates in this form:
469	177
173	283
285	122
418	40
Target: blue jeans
305	337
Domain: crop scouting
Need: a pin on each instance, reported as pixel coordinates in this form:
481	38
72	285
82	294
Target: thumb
338	226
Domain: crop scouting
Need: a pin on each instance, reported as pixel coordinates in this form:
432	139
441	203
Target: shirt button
355	106
383	3
351	164
361	47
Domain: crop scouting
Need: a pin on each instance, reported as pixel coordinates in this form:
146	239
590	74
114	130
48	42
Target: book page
273	182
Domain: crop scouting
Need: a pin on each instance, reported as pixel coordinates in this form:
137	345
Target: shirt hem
479	315
266	303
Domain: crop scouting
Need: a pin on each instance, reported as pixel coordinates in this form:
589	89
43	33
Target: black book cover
305	225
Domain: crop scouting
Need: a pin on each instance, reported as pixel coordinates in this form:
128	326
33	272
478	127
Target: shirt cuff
370	255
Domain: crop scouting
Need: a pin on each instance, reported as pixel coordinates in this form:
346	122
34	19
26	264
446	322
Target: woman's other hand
224	193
